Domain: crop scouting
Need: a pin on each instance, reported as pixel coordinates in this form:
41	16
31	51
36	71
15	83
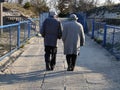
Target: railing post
18	35
10	39
113	39
105	34
29	28
93	28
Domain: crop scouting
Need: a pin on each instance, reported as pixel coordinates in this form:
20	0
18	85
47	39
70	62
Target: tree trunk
1	17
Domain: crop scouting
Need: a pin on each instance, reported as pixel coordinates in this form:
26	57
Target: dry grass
13	6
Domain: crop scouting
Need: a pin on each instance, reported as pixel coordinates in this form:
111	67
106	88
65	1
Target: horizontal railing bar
10	25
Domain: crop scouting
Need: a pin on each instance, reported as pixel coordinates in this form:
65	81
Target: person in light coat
73	37
51	31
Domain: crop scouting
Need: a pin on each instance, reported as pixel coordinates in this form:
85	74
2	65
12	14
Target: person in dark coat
73	37
51	31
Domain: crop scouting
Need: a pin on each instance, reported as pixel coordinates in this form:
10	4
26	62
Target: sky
101	1
115	1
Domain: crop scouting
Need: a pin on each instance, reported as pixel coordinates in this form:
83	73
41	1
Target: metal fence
113	40
106	35
13	36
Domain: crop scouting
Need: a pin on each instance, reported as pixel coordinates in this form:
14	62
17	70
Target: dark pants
50	57
71	60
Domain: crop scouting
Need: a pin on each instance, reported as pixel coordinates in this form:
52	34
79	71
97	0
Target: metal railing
112	40
13	36
13	19
106	35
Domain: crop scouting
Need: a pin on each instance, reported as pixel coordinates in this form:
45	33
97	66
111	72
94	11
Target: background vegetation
64	7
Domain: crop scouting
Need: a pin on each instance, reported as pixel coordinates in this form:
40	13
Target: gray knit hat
73	16
52	13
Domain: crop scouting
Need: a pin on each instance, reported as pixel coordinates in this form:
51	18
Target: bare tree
65	6
108	2
76	5
87	4
40	5
11	1
20	1
52	4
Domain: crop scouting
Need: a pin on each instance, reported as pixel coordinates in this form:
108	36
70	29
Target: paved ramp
95	69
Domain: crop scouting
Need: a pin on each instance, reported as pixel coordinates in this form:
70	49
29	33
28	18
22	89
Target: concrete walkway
95	69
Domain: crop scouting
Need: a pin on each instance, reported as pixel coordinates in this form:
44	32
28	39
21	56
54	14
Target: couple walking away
72	34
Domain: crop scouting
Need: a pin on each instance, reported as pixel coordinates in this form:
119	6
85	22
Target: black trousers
50	56
71	60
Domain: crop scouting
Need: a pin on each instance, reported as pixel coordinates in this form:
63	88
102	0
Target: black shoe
48	67
73	68
52	67
70	68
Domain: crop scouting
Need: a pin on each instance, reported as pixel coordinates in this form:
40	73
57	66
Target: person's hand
81	44
59	36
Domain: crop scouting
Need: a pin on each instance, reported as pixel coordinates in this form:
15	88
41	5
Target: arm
60	29
64	34
42	30
82	37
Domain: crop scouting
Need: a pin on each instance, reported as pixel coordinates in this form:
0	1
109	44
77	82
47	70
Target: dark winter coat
51	31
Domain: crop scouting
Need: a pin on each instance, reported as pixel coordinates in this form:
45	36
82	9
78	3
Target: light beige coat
72	36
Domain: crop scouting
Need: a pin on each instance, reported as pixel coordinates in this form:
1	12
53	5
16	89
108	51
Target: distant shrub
27	5
98	40
63	15
109	46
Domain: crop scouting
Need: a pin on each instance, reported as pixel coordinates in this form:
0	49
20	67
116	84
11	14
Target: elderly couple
72	34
